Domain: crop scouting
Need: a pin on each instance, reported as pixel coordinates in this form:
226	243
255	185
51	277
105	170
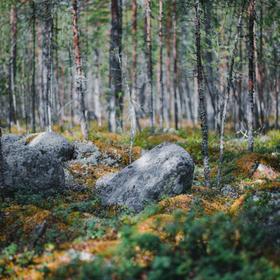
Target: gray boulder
31	169
8	141
56	145
166	170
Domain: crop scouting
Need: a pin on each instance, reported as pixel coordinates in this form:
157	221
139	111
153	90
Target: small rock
85	150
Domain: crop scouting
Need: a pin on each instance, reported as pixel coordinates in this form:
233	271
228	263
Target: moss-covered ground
199	235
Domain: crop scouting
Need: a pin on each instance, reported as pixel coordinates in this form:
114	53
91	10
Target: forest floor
232	233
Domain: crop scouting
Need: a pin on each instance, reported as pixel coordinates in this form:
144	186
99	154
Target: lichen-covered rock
31	169
56	145
86	153
166	170
9	140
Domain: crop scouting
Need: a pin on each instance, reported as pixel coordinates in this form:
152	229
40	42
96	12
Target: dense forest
139	139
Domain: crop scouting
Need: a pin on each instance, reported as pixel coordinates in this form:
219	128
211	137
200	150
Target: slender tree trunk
80	77
72	99
33	87
168	102
40	88
161	84
260	73
251	82
97	79
12	68
148	35
57	94
227	95
175	70
115	77
133	90
201	93
240	83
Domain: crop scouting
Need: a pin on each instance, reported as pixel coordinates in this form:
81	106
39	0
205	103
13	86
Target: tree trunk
115	77
161	85
260	74
175	70
168	102
148	37
12	68
72	99
133	90
80	77
33	87
201	93
251	82
240	84
97	79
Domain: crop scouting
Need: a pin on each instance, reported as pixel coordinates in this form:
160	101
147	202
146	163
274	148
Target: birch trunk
251	74
161	85
148	37
175	70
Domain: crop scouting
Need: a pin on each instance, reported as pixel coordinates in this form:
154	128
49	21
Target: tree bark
175	68
148	37
201	93
12	68
97	92
260	74
251	74
33	86
133	90
80	77
115	77
72	99
161	84
168	102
